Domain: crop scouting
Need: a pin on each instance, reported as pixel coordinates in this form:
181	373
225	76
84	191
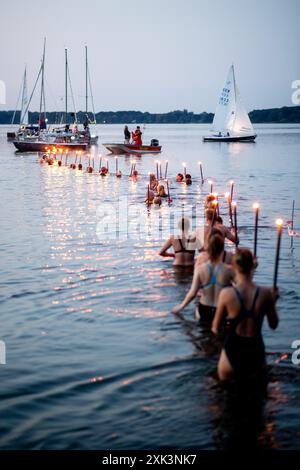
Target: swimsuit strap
246	312
183	248
224	256
213	278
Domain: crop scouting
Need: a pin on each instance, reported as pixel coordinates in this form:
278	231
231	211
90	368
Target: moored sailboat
23	112
231	121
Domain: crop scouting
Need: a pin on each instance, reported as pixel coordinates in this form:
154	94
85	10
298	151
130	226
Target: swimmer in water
245	305
210	277
104	171
212	222
179	177
161	191
153	182
203	256
184	245
150	197
210	198
188	179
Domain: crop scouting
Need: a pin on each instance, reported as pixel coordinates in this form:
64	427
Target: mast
66	86
234	84
235	95
24	115
42	96
86	81
17	104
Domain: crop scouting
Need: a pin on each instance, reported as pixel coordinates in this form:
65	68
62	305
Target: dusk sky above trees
153	56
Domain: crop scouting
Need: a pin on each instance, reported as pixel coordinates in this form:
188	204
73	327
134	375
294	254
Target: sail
242	124
24	103
231	116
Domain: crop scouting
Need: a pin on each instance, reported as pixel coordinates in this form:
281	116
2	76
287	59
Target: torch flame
279	222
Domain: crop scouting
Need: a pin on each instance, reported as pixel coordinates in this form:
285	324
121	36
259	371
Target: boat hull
119	149
215	138
41	146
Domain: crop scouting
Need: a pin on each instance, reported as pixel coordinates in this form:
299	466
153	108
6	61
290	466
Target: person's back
214	275
211	221
184	249
210	277
184	245
245	305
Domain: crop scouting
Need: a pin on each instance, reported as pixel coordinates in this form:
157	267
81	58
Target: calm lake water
95	359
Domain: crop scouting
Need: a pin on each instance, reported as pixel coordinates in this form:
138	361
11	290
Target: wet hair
215	247
188	176
184	224
216	231
209	198
209	214
243	260
219	219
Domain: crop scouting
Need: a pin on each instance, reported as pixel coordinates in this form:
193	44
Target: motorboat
131	148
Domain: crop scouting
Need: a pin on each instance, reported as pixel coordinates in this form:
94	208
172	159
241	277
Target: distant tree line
287	114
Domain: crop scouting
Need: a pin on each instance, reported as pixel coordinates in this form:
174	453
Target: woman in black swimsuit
184	245
246	305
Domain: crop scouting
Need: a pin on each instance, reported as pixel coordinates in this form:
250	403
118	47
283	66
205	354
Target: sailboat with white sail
23	123
231	121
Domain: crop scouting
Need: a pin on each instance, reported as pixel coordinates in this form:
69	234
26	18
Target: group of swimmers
227	298
156	191
187	178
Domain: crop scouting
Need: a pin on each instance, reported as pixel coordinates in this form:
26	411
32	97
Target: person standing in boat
126	135
137	136
245	305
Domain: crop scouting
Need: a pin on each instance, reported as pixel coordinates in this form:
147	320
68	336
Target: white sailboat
231	121
24	108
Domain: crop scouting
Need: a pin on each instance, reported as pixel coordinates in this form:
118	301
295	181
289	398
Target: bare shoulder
226	294
202	258
266	293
